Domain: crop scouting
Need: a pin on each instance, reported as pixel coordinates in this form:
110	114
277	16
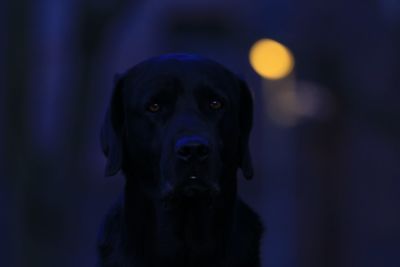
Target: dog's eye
215	104
153	107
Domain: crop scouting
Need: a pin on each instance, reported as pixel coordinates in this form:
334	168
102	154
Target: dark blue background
327	188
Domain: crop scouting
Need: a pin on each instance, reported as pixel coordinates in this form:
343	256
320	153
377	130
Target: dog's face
179	126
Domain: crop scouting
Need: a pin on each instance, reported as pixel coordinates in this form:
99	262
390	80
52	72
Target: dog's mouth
193	189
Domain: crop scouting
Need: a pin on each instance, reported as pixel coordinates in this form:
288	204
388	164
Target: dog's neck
190	230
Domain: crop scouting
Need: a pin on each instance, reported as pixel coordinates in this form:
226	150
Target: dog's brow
158	85
211	89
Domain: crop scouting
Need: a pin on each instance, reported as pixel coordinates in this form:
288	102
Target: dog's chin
191	193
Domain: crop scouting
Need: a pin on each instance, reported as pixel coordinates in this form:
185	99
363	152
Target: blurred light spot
271	59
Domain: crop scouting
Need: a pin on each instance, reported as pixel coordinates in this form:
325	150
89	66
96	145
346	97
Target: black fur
178	127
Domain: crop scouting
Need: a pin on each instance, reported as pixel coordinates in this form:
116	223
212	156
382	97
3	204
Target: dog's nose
192	149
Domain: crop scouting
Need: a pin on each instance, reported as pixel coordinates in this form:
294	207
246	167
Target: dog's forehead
184	72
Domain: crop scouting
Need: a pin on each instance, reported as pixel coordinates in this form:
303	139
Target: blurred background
327	120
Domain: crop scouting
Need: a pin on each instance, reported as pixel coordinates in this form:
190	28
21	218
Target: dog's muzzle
194	176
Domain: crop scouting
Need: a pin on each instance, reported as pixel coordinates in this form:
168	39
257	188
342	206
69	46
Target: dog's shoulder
109	242
249	221
248	232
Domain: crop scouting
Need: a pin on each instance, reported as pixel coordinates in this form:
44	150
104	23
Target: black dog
178	127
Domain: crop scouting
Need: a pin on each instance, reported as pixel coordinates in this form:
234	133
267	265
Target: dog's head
179	125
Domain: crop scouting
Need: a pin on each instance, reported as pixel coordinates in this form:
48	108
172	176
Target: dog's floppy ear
112	130
246	123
